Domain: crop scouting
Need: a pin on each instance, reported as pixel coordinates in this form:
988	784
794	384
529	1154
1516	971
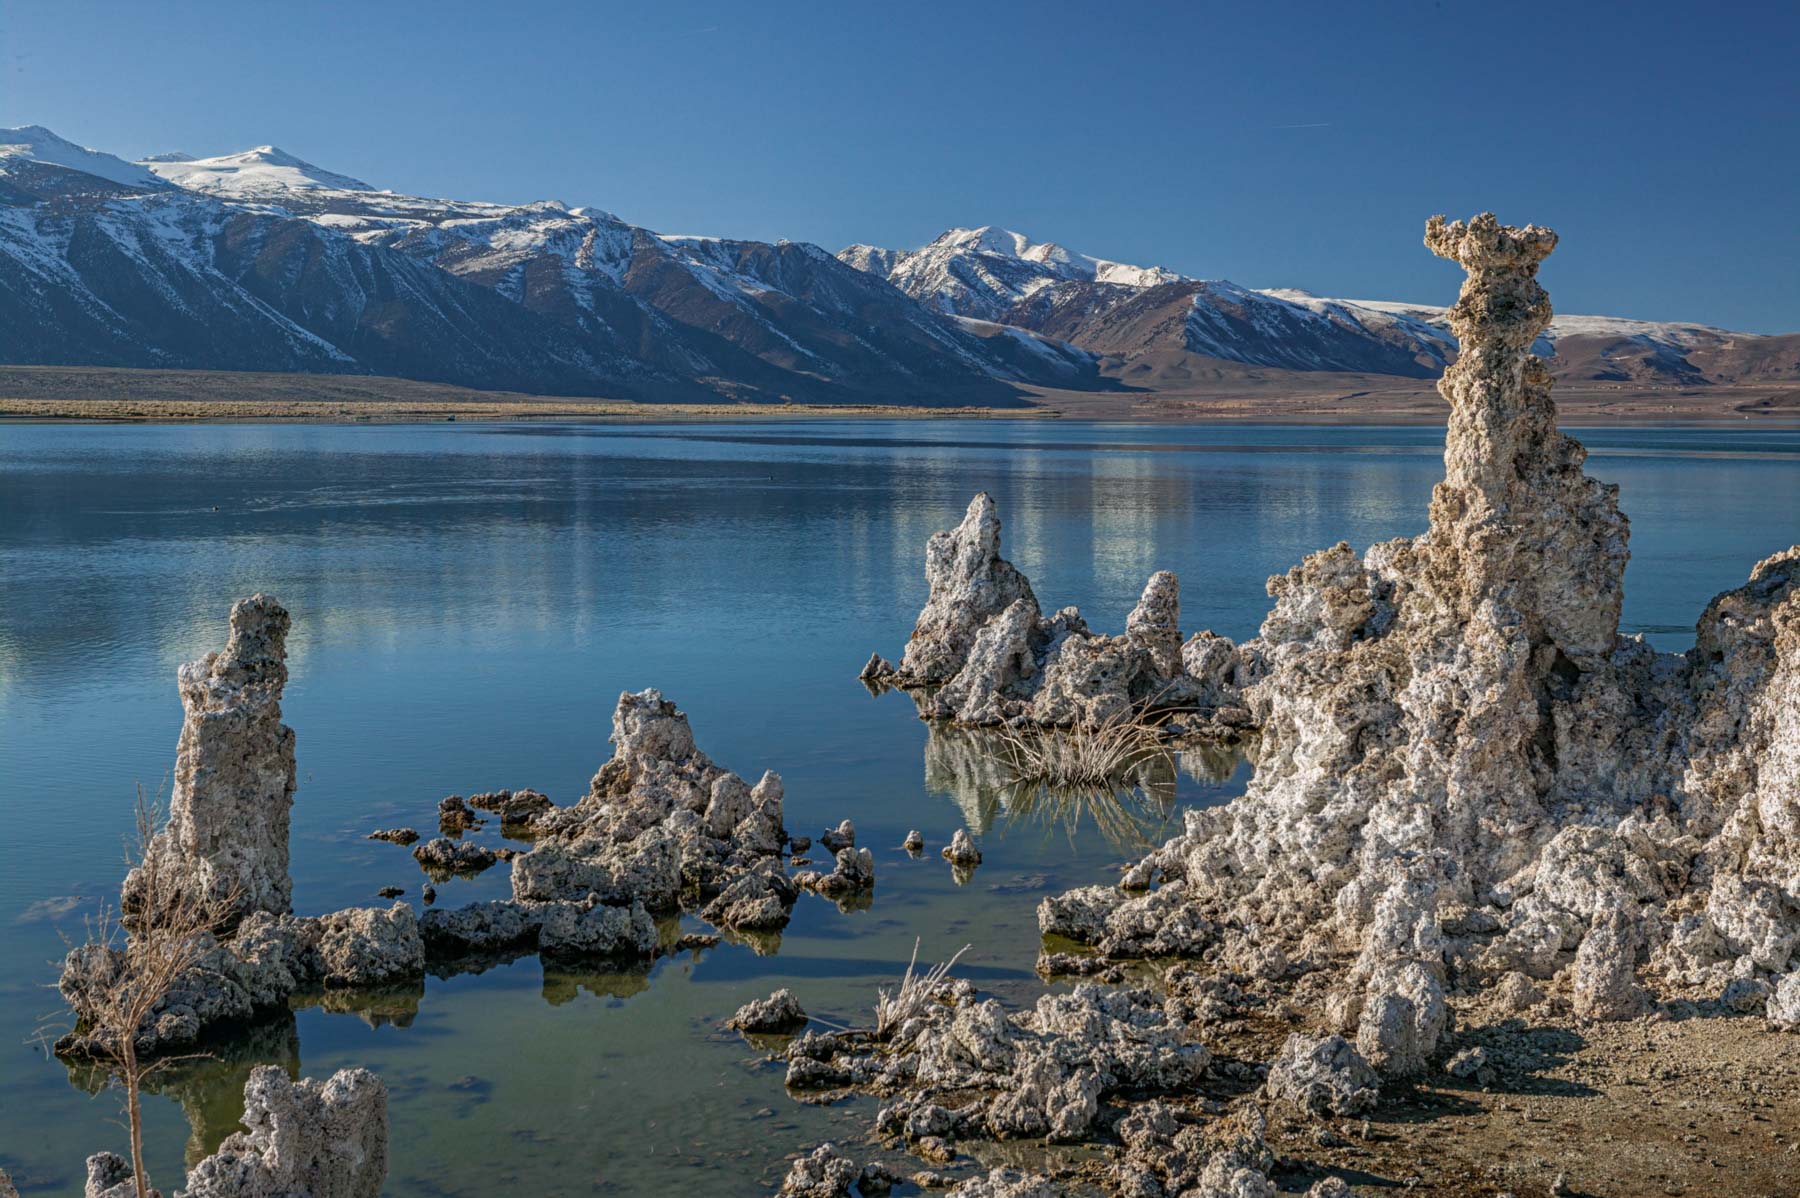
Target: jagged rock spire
1515	520
227	830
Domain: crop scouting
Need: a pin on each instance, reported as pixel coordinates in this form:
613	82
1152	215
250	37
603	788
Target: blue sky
1275	144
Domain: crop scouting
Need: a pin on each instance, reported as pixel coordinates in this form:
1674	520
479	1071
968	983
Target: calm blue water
468	603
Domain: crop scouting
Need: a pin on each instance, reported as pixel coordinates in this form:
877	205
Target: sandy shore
1261	397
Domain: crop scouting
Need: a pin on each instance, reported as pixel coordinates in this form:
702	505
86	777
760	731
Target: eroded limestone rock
1040	1073
779	1012
995	659
321	1139
227	829
961	850
1323	1076
823	1173
1462	764
664	826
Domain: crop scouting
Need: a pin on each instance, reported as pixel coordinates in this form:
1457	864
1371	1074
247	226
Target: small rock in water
454	856
936	1149
841	837
429	894
825	1173
694	941
914	842
780	1011
454	816
515	807
961	850
400	836
391	892
800	843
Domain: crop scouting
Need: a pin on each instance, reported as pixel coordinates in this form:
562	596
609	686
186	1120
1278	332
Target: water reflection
469	602
209	1086
1137	810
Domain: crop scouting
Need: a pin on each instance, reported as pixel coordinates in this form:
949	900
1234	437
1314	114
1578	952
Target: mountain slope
263	261
1155	328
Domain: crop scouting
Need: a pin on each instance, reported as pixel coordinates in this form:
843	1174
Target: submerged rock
227	830
399	836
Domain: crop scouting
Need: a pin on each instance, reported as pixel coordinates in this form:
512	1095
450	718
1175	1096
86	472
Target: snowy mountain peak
259	171
34	143
983	272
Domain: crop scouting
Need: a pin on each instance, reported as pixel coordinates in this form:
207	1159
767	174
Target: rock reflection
564	983
1133	812
209	1088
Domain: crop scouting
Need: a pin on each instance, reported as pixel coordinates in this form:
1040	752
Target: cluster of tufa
994	658
1466	779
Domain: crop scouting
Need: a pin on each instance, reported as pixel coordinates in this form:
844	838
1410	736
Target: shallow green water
469	601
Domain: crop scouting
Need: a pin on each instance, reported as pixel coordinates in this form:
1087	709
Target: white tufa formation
995	659
234	769
1464	774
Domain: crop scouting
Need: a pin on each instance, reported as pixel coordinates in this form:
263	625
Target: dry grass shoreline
113	395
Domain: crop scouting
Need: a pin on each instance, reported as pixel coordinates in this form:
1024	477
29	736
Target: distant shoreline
104	395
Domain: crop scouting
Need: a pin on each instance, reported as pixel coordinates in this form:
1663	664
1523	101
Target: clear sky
1272	143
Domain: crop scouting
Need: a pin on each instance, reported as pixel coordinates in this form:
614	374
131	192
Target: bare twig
133	969
893	1011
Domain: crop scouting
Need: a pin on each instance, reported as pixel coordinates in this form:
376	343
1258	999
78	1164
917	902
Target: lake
470	600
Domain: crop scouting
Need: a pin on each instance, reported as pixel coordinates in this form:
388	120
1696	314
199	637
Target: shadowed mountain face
262	261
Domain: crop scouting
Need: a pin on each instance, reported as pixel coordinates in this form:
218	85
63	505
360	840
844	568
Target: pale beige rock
1460	763
234	777
321	1139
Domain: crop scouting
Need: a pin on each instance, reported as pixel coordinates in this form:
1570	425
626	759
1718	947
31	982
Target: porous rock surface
1465	777
994	658
227	829
962	1065
781	1011
305	1139
664	826
252	972
322	1139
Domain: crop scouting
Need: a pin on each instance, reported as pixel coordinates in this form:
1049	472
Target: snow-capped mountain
1120	310
1148	321
261	260
34	144
1608	348
264	172
984	272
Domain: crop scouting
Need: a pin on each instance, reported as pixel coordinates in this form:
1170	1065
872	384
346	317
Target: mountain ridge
262	260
